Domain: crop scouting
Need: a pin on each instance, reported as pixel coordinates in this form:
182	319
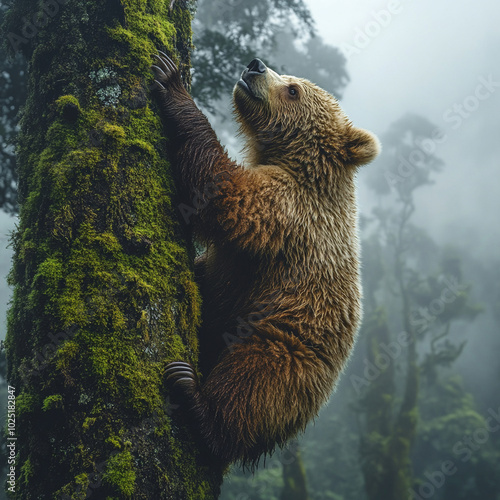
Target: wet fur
280	279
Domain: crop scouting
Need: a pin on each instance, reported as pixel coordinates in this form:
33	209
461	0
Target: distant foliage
228	34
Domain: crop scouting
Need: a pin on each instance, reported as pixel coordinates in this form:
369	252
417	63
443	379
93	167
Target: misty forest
416	412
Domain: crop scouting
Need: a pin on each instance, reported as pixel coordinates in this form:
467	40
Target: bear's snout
251	78
257	66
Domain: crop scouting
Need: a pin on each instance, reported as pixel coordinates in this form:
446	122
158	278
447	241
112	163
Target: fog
430	57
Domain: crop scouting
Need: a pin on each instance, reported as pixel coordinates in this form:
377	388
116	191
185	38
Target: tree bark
390	431
104	295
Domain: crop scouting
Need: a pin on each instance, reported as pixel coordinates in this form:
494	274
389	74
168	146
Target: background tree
12	95
294	478
104	295
400	256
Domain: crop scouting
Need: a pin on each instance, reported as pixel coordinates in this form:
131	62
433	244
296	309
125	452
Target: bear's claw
165	70
181	375
168	61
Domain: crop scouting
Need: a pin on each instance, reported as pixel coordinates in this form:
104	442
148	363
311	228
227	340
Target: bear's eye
292	91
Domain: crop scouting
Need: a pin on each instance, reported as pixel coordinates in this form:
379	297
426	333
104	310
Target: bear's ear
362	146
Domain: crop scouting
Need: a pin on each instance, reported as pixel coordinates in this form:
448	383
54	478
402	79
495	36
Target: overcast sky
426	57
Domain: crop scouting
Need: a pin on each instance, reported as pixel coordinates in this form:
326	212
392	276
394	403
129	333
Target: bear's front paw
181	377
166	72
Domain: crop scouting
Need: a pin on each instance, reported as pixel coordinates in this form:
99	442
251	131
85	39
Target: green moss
114	131
52	402
88	423
26	403
27	471
115	442
120	473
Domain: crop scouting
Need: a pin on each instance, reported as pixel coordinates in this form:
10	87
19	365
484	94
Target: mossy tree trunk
405	426
104	295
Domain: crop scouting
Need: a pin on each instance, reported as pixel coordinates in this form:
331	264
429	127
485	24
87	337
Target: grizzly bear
280	279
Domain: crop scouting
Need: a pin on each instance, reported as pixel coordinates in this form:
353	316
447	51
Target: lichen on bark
103	289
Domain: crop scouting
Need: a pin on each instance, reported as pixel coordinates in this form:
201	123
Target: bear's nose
257	66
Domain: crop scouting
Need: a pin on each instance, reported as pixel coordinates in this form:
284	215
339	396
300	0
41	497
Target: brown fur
280	279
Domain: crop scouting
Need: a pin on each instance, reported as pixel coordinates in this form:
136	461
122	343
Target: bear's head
283	115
